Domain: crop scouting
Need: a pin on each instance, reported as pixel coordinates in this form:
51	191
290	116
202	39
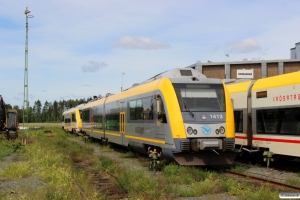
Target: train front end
12	124
208	121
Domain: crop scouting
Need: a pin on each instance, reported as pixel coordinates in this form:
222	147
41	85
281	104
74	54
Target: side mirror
158	105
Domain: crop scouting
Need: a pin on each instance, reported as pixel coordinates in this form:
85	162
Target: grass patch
9	147
292	181
129	154
139	183
51	159
238	169
108	164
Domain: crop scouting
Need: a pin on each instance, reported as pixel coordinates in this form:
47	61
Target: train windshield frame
200	97
11	119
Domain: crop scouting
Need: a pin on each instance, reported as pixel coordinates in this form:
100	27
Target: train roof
79	107
277	81
175	74
238	87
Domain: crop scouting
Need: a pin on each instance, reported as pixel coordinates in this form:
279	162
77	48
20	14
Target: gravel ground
271	174
15	188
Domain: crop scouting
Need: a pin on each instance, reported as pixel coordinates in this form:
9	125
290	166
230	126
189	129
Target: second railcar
267	114
71	119
182	114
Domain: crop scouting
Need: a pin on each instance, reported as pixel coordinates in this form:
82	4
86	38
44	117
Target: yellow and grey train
267	115
71	119
182	114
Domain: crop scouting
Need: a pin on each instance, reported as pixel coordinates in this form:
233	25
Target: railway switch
268	157
154	155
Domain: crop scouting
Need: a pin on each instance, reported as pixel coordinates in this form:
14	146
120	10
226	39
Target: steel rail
80	190
265	180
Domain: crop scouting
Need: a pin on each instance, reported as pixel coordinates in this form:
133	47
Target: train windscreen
11	120
200	97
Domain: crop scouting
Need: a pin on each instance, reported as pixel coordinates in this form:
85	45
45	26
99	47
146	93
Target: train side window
259	123
162	115
73	118
98	122
138	109
238	120
290	124
86	116
132	105
141	109
112	122
269	120
147	112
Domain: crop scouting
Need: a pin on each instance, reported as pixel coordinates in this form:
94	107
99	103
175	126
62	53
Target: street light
225	68
26	12
122	81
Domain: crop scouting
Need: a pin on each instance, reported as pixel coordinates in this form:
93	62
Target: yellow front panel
78	119
174	112
229	115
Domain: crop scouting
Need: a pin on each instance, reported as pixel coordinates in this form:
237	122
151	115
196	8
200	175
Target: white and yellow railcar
267	114
71	119
181	114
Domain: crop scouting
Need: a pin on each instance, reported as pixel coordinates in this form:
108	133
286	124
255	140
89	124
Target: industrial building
248	69
295	52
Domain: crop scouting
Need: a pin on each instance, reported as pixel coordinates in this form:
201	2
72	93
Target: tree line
47	112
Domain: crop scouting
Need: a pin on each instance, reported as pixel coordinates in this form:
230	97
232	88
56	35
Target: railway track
105	186
276	183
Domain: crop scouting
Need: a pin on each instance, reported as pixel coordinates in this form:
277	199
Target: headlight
189	130
195	132
222	130
217	131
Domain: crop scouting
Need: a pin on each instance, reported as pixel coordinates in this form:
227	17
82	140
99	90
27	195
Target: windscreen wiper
188	109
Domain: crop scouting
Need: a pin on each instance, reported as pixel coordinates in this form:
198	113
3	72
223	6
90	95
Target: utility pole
25	103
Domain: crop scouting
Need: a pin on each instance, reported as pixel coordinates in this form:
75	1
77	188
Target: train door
122	122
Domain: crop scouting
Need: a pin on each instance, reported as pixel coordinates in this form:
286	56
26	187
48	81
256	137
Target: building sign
244	73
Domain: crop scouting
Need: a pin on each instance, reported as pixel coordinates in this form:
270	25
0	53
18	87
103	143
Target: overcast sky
81	48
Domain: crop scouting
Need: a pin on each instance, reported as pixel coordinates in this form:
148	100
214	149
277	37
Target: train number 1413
216	116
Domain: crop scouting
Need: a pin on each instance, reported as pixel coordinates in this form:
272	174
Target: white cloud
127	42
247	45
93	66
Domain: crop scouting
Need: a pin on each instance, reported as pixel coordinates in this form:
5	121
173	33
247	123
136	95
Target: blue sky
79	49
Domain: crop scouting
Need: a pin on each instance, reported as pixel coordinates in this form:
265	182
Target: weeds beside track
50	163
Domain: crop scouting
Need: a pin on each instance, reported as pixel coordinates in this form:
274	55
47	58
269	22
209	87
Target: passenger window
238	120
290	121
141	109
112	122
